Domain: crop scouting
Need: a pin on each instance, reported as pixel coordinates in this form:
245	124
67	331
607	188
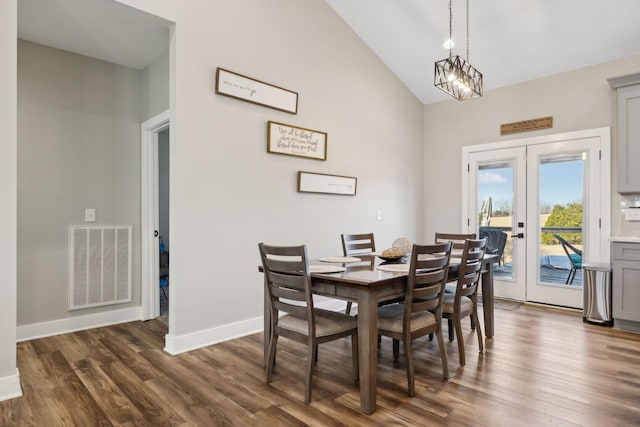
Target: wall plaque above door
526	125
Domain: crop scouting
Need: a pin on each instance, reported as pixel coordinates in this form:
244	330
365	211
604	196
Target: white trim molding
180	344
10	387
78	323
149	208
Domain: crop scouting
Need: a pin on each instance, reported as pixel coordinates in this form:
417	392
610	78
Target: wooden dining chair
421	312
288	283
357	244
464	302
457	239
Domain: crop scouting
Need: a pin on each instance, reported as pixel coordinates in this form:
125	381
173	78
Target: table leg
368	349
487	299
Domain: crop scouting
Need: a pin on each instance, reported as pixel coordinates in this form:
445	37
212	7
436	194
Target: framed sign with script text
296	141
251	90
309	182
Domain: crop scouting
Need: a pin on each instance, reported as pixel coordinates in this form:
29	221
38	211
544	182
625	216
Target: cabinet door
626	290
629	139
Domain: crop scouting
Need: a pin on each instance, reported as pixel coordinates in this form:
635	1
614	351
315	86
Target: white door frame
515	286
149	211
600	252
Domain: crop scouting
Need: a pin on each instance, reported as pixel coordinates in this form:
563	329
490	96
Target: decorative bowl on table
392	258
392	254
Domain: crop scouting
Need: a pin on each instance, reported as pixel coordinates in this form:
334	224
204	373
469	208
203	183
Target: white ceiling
511	40
101	29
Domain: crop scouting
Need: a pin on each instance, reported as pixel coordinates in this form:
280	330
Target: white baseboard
192	341
78	323
10	387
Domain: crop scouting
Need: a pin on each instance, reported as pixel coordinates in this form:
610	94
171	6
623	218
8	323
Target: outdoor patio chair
575	258
496	241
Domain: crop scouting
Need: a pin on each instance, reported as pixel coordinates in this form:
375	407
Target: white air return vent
99	265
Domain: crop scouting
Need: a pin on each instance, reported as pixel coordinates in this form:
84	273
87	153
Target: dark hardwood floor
544	367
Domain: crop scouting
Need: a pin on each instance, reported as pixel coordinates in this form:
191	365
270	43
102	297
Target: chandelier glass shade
456	76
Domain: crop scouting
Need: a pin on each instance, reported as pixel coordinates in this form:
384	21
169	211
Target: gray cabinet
628	88
629	139
626	281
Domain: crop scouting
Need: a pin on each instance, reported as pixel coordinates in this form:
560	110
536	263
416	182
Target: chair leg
354	356
443	354
460	340
396	349
271	357
348	309
315	358
478	331
311	356
408	354
450	327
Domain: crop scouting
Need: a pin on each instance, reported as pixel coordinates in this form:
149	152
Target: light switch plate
90	215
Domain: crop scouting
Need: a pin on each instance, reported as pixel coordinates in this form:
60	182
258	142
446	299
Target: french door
550	196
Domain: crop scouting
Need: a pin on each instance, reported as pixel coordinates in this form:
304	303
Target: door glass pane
495	213
560	213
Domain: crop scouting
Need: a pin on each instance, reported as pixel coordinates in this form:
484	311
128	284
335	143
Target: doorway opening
155	140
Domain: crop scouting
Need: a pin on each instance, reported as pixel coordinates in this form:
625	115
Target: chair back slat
456	238
470	268
288	282
428	273
354	244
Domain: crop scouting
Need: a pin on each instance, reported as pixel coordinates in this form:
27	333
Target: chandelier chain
450	24
467	30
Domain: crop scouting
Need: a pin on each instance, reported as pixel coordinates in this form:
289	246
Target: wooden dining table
363	283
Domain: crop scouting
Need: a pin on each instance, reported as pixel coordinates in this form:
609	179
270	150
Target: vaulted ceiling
510	41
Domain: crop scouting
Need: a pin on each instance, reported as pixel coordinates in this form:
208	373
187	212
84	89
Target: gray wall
155	87
78	147
228	194
580	99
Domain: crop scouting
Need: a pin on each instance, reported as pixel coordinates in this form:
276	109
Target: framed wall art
251	90
296	141
310	182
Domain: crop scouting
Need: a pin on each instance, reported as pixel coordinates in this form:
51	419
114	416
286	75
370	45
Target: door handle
517	236
155	233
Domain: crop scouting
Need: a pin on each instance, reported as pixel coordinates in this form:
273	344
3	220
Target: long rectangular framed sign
251	90
296	141
310	182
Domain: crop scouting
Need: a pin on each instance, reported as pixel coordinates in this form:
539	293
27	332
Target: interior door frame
150	280
601	251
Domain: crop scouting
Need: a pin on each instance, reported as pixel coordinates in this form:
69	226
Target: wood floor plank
543	367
